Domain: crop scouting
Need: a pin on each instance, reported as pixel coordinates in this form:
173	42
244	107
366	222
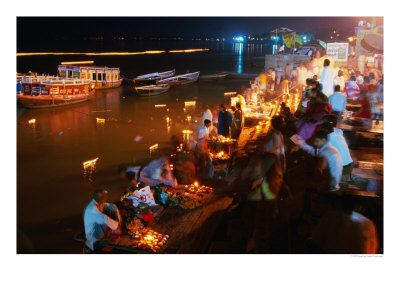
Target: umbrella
291	39
373	42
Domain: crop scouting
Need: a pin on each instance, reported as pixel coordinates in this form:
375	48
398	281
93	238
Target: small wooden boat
47	93
181	79
153	77
152	90
213	77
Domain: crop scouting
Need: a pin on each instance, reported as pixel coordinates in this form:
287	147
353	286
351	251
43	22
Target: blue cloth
338	102
19	87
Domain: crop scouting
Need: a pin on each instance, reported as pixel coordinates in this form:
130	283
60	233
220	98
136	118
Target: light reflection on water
50	156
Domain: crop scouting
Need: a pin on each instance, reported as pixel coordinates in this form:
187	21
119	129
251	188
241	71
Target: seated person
158	172
96	221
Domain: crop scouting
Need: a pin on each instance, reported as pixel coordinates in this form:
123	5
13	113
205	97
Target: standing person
204	132
327	78
288	71
279	73
331	157
340	81
338	102
95	221
285	86
237	123
337	141
207	115
224	121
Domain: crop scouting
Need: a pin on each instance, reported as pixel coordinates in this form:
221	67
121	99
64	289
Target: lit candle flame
155	146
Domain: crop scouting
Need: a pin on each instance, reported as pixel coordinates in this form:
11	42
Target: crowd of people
304	159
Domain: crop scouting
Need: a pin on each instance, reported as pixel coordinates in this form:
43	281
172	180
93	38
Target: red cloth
365	109
148	217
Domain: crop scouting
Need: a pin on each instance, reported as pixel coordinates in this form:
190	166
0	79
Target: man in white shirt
204	132
207	115
338	101
339	80
95	221
327	78
337	141
324	150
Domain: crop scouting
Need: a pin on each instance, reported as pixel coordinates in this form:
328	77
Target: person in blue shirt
338	102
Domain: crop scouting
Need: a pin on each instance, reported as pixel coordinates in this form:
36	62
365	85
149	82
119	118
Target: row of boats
159	83
77	82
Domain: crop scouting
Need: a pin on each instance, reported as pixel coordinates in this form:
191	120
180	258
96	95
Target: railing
53	80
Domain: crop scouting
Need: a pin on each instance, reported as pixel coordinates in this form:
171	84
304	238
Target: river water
52	187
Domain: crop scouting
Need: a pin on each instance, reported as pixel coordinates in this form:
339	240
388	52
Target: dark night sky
50	29
171	26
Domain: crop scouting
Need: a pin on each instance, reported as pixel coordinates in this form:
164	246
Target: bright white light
239	38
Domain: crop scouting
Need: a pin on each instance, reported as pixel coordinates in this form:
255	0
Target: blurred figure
345	231
337	141
275	140
338	102
327	78
331	160
352	89
279	73
365	111
288	72
361	62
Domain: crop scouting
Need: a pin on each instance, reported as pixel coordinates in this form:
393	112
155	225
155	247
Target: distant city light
238	38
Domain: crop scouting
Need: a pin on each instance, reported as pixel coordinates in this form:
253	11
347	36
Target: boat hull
151	90
214	77
151	93
108	85
181	79
51	101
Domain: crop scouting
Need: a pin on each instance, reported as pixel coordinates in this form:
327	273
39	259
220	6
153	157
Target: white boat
213	77
152	90
153	77
181	79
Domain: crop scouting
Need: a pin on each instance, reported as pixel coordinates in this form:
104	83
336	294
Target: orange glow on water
110	53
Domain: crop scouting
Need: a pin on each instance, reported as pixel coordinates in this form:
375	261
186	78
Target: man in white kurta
327	78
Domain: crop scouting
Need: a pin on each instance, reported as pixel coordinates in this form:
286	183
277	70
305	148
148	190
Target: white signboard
338	51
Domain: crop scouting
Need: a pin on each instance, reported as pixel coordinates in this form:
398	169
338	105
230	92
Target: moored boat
213	77
152	90
47	93
101	77
153	77
181	79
